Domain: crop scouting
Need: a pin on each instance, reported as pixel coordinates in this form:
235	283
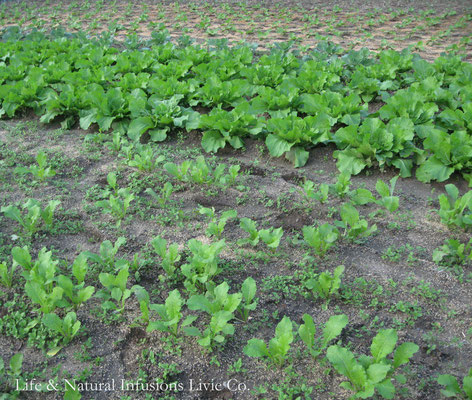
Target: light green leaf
138	126
383	343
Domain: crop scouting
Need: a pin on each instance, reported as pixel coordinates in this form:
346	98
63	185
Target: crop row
422	119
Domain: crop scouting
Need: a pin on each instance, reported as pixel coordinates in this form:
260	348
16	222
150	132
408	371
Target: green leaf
280	344
16	363
158	135
403	353
87	117
452	386
138	126
349	214
13	213
52	352
248	289
277	146
377	372
383	343
344	362
382	188
405	167
199	302
467	385
307	331
386	389
22	257
212	141
349	161
433	169
53	322
334	327
297	156
256	348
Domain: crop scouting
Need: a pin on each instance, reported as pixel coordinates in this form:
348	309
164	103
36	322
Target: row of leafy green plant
293	104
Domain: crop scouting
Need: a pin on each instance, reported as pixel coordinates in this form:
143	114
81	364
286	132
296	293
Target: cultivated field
235	200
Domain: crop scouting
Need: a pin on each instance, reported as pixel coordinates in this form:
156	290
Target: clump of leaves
169	256
145	158
41	172
326	285
248	303
216	226
10	377
202	265
164	196
456	210
67	327
454	389
271	236
30	221
354	226
369	374
169	315
319	192
320	238
221	307
331	330
117	205
115	293
278	347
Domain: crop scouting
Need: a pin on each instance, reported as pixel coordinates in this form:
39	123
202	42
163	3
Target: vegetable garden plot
265	231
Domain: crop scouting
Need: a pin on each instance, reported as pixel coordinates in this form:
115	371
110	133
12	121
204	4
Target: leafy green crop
170	256
169	315
8	376
115	293
354	226
249	302
216	226
448	153
326	285
374	142
202	265
35	214
368	374
456	210
387	200
117	205
320	238
271	236
78	293
40	277
106	256
218	328
319	193
331	330
292	103
200	172
453	388
41	171
453	252
289	136
221	307
145	158
68	327
165	194
278	347
221	127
